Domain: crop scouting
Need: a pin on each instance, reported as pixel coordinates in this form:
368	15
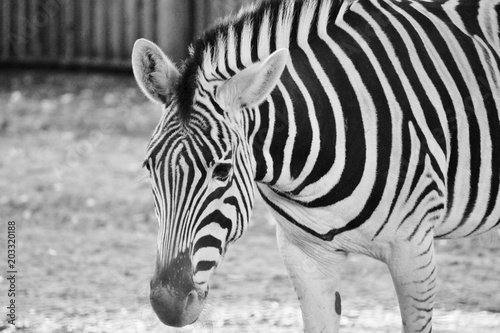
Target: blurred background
73	132
101	33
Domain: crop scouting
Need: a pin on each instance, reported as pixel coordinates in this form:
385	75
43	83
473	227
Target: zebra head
201	169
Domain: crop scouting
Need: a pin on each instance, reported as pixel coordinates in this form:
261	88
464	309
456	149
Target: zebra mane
253	34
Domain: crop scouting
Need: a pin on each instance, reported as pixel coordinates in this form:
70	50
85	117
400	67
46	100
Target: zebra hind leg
315	274
413	268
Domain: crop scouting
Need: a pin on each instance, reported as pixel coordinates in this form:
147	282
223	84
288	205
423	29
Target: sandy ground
72	146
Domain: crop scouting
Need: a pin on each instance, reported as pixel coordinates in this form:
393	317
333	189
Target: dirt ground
71	149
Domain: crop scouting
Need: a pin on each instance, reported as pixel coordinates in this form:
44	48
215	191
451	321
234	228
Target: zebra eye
221	171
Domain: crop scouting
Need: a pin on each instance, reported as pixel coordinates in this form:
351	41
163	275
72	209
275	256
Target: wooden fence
100	33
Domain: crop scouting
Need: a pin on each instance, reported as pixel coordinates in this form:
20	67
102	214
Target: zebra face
200	209
201	172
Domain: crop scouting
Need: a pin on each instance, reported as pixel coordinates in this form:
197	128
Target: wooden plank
85	29
36	23
116	19
77	28
5	36
100	31
54	12
174	30
2	29
131	24
20	37
68	32
148	15
201	9
163	25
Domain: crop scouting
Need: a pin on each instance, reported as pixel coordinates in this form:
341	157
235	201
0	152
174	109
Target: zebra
368	126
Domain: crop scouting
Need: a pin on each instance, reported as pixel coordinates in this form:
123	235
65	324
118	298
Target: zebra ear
251	86
155	74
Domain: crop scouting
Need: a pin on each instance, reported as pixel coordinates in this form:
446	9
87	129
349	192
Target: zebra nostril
191	299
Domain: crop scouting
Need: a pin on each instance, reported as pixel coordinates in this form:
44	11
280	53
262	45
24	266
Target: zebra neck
296	139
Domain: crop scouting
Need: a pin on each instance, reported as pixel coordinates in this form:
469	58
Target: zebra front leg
413	269
315	274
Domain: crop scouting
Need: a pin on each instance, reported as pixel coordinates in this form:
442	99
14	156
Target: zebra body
370	126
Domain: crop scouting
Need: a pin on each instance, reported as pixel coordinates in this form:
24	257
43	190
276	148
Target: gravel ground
253	317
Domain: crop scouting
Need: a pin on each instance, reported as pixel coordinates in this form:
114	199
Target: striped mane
254	33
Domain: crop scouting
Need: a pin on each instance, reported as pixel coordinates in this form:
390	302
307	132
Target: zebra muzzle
174	308
175	298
